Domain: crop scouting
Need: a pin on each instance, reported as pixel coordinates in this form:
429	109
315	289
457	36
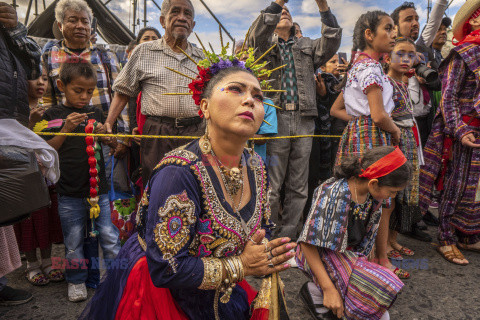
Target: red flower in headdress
198	85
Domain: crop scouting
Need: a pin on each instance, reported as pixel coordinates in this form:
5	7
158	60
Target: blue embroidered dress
183	219
344	233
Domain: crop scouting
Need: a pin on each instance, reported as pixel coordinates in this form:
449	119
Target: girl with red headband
366	103
340	232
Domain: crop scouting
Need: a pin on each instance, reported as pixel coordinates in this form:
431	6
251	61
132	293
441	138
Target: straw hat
462	16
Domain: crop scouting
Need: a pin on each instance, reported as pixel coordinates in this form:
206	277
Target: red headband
385	165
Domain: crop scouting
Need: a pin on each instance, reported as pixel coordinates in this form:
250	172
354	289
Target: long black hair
353	166
369	20
143	30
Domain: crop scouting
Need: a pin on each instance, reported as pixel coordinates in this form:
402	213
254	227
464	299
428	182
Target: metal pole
36	8
44	5
218	21
28	12
14	4
156	4
144	13
428	10
134	15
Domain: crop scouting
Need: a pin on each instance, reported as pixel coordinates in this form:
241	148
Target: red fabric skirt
41	229
142	300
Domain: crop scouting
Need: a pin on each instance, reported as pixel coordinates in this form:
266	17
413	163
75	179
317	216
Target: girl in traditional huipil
452	153
340	232
366	103
204	220
406	211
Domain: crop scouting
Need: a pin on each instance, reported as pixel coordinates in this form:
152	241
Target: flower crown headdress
213	63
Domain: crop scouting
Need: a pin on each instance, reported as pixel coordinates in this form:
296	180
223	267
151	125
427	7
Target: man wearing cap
452	153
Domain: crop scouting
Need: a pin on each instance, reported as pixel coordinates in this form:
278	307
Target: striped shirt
145	71
105	63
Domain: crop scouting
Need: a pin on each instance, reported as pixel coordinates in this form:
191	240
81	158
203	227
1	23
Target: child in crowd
366	102
406	211
77	80
324	150
266	129
42	228
36	89
340	232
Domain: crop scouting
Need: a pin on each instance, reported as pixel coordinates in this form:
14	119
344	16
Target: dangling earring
206	146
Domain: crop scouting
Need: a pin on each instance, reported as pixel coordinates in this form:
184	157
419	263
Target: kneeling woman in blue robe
203	223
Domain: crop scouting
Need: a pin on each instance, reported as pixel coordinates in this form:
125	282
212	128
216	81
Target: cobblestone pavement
436	290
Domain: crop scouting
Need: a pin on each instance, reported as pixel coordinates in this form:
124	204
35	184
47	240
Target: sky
237	15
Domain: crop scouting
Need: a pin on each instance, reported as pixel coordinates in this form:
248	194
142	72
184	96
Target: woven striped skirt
407	212
367	289
360	135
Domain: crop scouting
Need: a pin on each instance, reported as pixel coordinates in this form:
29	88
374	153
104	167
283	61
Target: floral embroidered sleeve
173	212
370	74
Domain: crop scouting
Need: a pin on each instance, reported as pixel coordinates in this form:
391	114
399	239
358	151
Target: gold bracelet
212	274
239	271
229	282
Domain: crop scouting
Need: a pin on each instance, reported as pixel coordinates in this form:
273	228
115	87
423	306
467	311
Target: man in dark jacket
20	60
302	56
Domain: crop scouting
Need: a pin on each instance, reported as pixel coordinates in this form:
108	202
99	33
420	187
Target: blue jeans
73	216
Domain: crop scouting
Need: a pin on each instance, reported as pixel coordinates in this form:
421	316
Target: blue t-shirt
265	129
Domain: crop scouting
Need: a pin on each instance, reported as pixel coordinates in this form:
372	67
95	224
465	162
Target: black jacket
19	61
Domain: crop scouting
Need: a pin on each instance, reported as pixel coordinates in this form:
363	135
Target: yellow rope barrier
73	134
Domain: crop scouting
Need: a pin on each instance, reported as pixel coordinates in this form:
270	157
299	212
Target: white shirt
362	75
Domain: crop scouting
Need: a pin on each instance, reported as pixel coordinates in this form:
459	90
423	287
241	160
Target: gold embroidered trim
212	274
172	231
142	243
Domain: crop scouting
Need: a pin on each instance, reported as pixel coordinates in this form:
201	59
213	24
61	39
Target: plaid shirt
28	50
102	60
289	78
145	71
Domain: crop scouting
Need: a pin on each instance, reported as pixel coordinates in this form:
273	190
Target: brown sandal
451	254
464	247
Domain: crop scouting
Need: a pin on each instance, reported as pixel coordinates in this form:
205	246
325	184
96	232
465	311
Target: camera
426	73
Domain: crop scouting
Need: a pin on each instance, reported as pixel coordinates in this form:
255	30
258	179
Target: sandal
451	254
464	247
395	255
54	275
400	273
38	278
402	250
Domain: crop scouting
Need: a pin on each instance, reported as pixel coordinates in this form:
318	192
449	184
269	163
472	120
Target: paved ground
437	290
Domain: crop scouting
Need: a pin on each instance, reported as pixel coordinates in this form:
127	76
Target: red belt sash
471	121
